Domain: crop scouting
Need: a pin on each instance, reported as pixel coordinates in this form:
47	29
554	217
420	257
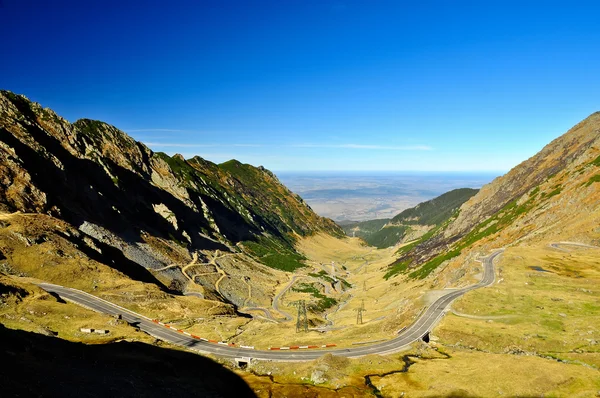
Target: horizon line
390	171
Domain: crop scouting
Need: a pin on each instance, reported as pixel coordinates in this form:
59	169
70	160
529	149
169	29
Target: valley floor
535	331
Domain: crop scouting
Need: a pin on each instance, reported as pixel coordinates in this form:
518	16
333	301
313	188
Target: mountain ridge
154	209
558	180
411	223
200	246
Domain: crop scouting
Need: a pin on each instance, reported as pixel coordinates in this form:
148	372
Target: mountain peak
553	193
151	208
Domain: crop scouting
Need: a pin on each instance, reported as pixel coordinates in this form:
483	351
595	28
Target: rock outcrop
153	208
553	195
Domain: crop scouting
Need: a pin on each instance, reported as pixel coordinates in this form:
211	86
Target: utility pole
359	312
302	319
364	286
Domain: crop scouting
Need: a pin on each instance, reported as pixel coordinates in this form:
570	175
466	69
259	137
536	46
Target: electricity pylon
359	312
302	319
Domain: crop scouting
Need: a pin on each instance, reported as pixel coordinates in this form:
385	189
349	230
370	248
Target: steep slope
436	210
133	368
411	223
553	195
124	204
363	229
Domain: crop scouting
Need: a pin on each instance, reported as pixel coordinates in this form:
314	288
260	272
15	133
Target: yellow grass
389	304
476	374
38	311
553	313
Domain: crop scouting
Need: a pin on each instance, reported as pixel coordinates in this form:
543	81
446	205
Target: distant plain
360	196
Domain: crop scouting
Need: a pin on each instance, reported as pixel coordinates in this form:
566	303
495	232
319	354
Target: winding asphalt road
275	305
414	332
557	245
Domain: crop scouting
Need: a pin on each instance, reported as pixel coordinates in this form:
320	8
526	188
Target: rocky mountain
436	210
109	197
363	229
411	223
553	195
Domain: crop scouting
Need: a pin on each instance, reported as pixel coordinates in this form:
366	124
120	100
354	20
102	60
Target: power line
359	312
302	318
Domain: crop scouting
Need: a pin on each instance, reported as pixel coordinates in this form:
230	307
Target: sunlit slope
145	209
411	223
554	195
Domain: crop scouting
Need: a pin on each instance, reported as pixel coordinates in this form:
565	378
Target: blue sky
315	85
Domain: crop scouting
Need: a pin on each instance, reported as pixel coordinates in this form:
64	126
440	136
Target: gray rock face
152	208
318	376
542	196
553	158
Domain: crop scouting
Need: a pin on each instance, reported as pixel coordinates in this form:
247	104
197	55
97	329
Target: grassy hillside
412	222
387	236
554	193
150	208
363	229
435	211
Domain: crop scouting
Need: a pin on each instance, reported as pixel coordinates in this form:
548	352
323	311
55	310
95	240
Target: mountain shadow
41	366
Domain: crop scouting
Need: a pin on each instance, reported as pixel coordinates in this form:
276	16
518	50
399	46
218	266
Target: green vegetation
429	266
486	228
323	275
275	255
551	176
534	192
432	212
257	194
345	282
179	166
428	235
593	179
323	302
10	95
49	116
435	211
306	288
396	268
91	128
99	131
364	228
273	202
376	233
596	162
554	192
238	169
387	236
410	246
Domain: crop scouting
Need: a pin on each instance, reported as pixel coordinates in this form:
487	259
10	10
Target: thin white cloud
392	147
178	145
153	130
339	146
366	146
